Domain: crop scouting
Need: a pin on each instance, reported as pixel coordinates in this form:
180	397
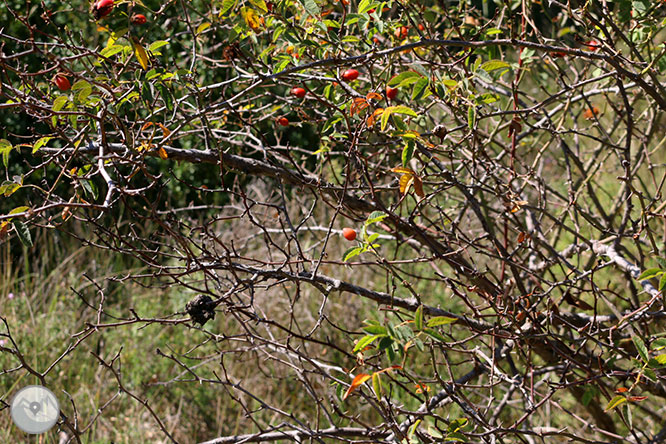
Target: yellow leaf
162	152
356	383
251	18
402	170
405	181
140	54
165	131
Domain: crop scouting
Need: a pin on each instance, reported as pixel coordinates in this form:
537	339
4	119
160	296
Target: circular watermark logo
35	409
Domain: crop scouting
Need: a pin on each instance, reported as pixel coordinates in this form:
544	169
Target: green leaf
18	210
588	395
418	318
260	5
457	424
419	88
660	359
407	153
311	7
377	385
5	148
374	217
365	341
492	65
59	103
471	117
375	330
226	6
110	51
640	346
408	77
649	274
650	374
435	335
40	143
616	401
365	6
9	188
440	320
157	45
658	344
23	233
350	253
202	27
662	282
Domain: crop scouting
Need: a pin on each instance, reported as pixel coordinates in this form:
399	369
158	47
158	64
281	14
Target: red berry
283	121
391	93
102	8
349	233
138	19
62	82
298	92
421	27
350	74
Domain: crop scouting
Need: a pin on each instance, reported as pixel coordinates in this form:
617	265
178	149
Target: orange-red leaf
590	113
356	383
162	152
418	187
373	95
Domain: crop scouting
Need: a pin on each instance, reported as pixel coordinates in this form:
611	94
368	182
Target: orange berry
138	19
391	93
283	121
349	233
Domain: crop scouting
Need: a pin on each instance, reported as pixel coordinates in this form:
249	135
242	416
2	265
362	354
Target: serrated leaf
405	76
640	346
375	329
226	6
365	341
23	233
350	253
311	7
440	320
374	217
492	65
616	401
649	274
